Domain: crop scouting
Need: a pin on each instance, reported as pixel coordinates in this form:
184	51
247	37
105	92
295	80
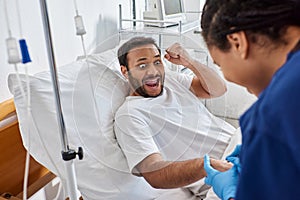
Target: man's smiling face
146	71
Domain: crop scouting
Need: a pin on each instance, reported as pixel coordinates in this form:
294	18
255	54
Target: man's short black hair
131	44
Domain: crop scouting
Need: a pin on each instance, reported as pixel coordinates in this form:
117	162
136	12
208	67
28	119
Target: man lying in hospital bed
162	127
91	93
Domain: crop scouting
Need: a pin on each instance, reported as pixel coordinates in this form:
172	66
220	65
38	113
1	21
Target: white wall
100	18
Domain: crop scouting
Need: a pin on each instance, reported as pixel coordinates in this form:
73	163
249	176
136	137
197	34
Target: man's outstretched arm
166	174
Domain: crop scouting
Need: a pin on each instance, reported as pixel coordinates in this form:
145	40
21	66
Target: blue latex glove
224	183
234	157
236	151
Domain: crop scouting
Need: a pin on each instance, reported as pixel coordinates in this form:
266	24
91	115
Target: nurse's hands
234	157
178	55
224	183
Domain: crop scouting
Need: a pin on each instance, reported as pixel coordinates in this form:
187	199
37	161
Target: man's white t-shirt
175	124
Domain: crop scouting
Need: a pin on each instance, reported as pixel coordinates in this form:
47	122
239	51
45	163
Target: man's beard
140	90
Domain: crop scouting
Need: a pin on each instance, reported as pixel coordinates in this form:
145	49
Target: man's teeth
151	82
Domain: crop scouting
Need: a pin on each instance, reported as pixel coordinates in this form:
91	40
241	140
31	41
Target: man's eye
158	62
142	66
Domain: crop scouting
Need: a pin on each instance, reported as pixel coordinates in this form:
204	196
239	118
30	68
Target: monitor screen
172	7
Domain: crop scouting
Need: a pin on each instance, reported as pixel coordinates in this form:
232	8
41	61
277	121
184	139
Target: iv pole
67	154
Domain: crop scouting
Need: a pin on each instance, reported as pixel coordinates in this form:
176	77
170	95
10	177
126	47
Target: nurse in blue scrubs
256	44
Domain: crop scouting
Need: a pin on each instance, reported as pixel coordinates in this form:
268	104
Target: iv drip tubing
81	33
27	161
6	18
19	18
76	8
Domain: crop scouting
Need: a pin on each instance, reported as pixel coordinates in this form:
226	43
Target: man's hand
178	55
220	165
224	183
207	83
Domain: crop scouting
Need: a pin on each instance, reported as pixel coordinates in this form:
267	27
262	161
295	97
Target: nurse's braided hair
263	17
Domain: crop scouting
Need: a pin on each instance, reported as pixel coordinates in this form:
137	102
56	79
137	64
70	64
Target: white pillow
232	104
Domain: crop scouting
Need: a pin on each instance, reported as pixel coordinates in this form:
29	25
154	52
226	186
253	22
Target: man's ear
240	43
124	71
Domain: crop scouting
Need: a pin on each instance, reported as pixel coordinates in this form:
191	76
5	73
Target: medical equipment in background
67	154
133	12
25	59
170	11
14	58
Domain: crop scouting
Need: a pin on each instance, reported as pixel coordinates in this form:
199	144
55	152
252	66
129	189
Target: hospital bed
12	158
90	94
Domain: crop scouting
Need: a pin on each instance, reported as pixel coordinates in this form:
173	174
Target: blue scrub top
270	153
